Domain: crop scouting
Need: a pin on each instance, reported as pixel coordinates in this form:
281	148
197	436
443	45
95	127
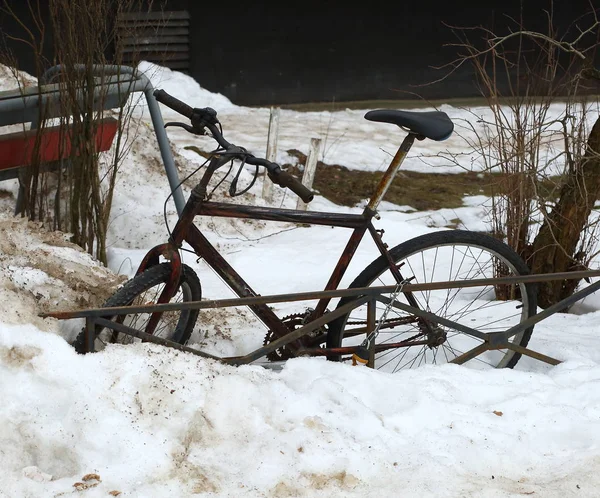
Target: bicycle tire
189	289
469	306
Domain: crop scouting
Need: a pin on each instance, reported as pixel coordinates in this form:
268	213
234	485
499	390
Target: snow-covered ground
147	421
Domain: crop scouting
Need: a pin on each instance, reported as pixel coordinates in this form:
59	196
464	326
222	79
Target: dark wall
17	39
275	53
333	51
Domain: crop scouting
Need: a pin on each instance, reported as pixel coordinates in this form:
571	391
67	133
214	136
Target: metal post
90	333
371	319
165	150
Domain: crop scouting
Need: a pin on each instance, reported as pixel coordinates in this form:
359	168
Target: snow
147	421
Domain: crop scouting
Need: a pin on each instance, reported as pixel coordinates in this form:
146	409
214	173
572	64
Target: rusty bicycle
408	320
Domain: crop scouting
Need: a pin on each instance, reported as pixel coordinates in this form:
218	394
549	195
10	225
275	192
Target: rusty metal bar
219	303
491	341
358	291
486	346
377	348
296	334
434	318
472	353
551	310
234	280
533	354
225	210
119	327
341	266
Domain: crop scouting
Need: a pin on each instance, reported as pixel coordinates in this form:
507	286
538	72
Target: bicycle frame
197	205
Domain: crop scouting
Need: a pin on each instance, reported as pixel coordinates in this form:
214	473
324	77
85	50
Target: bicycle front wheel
452	255
145	289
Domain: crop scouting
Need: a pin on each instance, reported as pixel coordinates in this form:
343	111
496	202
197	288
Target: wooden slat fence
159	37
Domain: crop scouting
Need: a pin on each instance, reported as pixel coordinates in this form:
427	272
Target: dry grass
421	191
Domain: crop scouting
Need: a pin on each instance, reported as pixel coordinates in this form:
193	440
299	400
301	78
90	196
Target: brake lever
189	128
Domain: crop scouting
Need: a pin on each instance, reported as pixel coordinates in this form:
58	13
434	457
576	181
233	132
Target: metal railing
114	86
364	295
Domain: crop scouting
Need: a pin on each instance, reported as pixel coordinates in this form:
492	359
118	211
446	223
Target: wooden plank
154	16
158	56
156	48
155	31
123	26
309	170
150	40
151	24
271	155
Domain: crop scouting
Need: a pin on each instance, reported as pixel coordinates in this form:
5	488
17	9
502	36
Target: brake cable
233	184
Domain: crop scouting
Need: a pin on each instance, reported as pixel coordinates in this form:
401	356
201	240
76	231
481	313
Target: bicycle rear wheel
451	255
144	289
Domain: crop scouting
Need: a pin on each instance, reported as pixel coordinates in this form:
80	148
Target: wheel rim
170	325
476	307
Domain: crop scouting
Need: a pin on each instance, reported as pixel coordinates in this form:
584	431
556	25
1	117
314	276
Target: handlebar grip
174	103
284	179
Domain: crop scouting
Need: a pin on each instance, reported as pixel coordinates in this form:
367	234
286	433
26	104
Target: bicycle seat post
393	168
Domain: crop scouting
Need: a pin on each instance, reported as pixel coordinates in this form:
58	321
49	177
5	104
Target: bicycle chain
296	320
399	321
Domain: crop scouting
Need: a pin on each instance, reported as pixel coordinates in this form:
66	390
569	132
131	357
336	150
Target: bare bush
549	162
78	199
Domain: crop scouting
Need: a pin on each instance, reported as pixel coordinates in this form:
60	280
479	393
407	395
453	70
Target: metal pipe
165	149
388	176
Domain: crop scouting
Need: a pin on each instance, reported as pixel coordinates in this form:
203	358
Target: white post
271	155
309	169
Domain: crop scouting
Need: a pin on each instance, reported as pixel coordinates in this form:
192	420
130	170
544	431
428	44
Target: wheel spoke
446	256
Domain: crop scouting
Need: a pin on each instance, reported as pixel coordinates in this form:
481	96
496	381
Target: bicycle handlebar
282	178
206	118
174	103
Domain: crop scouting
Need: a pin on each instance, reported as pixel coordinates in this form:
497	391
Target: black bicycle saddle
435	125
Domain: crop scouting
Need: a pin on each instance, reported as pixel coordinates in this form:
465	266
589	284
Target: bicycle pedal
360	356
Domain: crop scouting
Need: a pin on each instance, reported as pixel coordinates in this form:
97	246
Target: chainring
292	322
